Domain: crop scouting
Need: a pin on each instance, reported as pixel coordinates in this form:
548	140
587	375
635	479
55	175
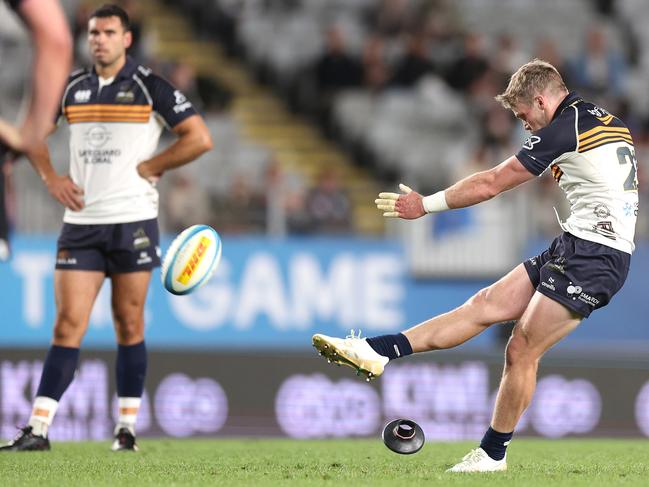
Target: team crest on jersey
125	96
602	211
531	141
82	96
97	136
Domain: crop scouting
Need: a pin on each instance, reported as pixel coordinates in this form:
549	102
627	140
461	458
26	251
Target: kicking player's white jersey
591	155
115	126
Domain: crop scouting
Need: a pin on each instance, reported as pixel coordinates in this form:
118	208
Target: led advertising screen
450	395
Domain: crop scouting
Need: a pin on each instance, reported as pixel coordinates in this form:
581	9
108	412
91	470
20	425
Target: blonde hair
529	80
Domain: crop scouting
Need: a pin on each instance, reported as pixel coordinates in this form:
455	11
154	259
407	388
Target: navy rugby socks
495	443
58	371
130	369
391	346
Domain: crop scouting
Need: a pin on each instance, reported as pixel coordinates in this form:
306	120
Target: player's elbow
205	142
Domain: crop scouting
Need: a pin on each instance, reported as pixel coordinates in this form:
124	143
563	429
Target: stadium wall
235	358
298	395
277	293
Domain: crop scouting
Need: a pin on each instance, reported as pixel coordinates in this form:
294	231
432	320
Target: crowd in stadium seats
406	86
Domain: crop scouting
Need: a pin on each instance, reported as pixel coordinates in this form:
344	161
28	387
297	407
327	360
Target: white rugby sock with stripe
42	414
128	409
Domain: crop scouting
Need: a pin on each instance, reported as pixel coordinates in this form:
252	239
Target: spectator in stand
335	70
186	203
285	210
471	66
392	18
599	70
242	209
414	64
328	206
376	72
183	77
508	56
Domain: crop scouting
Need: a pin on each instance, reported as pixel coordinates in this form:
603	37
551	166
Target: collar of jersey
570	99
126	72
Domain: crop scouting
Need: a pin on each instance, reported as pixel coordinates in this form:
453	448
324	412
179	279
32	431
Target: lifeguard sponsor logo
194	260
98	156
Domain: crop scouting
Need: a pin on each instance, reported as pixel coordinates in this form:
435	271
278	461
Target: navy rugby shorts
111	248
580	274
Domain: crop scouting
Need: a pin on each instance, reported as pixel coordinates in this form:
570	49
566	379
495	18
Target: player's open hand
63	189
408	205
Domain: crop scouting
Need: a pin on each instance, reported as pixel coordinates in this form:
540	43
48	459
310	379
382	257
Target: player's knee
68	330
518	351
129	328
484	305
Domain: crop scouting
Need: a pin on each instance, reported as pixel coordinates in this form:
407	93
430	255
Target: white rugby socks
42	415
128	409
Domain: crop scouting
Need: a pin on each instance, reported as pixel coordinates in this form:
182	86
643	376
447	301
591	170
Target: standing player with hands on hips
591	155
116	112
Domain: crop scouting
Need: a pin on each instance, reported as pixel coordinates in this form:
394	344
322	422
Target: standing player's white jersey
591	155
114	126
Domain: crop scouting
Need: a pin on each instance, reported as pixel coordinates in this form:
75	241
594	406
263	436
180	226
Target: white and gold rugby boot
352	351
478	461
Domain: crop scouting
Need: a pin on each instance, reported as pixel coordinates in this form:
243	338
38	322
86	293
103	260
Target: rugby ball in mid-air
191	259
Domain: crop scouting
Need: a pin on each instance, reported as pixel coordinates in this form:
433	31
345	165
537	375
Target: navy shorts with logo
111	248
580	274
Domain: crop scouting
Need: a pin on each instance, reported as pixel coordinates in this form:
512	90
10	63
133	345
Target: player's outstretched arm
193	140
50	68
474	189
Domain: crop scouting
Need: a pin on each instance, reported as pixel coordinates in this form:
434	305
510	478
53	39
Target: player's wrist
435	203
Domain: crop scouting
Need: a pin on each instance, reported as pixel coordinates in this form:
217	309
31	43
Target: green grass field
344	462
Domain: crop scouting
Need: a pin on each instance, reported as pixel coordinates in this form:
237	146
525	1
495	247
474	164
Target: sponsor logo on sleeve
182	103
531	141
